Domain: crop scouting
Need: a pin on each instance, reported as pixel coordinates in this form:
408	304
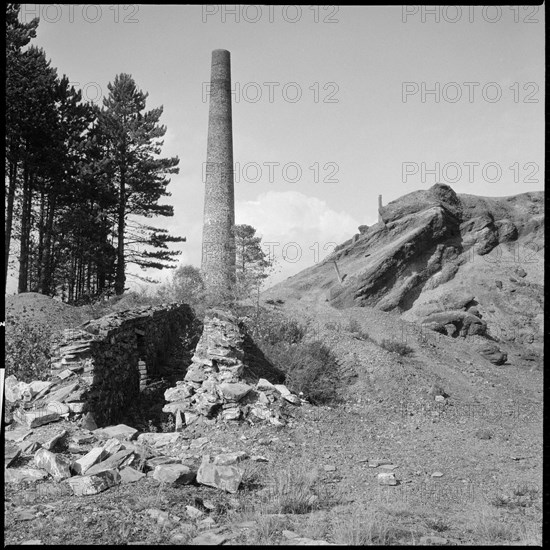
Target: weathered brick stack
213	386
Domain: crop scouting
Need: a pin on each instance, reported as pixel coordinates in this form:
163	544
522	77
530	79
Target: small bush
311	369
355	328
28	351
396	347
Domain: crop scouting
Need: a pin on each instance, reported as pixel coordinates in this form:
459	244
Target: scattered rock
177	474
88	422
80	466
209	538
429	540
39	417
129	475
158	439
112	462
51	443
492	353
387	478
330	468
193	512
11	452
121	431
437	474
57	466
228	459
94	484
23	475
227	478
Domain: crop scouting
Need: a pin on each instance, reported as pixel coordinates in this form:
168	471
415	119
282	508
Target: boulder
492	353
38	417
235	391
23	475
82	465
52	442
227	478
176	474
110	463
179	393
94	484
129	475
57	466
121	431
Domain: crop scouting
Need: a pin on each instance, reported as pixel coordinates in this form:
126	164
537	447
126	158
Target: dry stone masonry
214	386
107	361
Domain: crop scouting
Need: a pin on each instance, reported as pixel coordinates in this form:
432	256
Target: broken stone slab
193	513
265	385
130	475
11	453
234	392
38	386
57	466
29	447
17	435
76	407
76	396
158	439
227	459
387	478
157	460
174	407
52	442
65	374
291	398
56	406
179	393
282	389
80	466
83	439
209	538
88	422
38	417
227	478
259	458
23	475
112	446
94	484
120	431
61	394
110	463
176	474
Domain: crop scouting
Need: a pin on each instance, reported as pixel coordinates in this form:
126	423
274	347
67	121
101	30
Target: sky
332	106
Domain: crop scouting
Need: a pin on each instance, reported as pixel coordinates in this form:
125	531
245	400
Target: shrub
28	350
396	347
355	328
310	368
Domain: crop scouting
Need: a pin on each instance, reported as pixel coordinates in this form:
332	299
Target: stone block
57	466
227	478
94	484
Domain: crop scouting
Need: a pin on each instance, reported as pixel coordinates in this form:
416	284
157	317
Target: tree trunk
47	263
25	233
9	217
120	273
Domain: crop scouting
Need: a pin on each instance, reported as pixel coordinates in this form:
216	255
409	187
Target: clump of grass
355	328
396	347
489	526
365	527
312	369
436	524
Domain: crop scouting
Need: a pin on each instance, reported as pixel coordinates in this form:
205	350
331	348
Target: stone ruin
214	386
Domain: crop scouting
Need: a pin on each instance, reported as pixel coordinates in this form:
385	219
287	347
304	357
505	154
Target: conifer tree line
79	178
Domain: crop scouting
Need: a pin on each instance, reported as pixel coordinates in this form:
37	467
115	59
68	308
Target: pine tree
134	141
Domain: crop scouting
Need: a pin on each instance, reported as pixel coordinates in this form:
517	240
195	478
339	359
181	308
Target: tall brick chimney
218	240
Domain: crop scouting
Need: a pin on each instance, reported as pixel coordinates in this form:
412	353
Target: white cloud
305	228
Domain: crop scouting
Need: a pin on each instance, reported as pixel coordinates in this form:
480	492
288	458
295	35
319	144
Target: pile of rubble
213	386
93	461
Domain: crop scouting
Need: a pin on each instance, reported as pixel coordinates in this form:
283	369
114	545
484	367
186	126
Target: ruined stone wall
114	356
